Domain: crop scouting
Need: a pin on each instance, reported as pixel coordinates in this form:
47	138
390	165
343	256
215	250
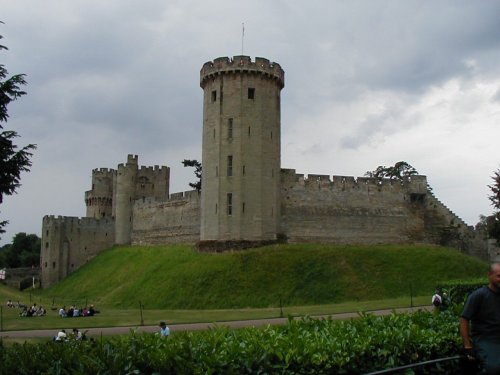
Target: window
216	208
230	128
214	96
251	93
216	171
249	131
230	165
214	133
243	170
229	204
243	207
53	264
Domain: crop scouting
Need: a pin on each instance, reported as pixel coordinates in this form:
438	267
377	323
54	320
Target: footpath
95	332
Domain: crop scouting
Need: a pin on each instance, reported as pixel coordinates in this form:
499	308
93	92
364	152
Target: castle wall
70	242
345	210
173	220
444	227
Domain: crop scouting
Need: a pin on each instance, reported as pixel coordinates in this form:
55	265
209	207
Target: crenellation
244	64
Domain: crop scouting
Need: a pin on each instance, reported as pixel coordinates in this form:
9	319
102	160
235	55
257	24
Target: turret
241	149
99	200
126	178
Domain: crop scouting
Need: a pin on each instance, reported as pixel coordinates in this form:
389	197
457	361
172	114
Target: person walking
480	323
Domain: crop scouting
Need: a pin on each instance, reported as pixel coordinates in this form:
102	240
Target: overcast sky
367	83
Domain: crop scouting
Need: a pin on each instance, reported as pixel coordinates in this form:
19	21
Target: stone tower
241	149
99	200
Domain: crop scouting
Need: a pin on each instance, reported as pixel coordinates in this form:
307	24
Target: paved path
193	326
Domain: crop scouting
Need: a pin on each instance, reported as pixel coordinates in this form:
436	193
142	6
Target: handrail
419	364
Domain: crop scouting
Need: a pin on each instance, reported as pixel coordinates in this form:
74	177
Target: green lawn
132	317
178	277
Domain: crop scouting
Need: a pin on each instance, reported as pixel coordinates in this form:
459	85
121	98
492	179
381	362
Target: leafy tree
399	171
197	171
24	251
493	221
13	161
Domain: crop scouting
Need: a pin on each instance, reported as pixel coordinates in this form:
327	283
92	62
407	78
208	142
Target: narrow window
216	171
230	165
214	96
249	131
46	245
216	208
243	207
271	135
251	93
230	128
45	264
229	204
53	264
243	170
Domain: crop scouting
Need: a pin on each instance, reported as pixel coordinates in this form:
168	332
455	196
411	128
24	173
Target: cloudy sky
367	83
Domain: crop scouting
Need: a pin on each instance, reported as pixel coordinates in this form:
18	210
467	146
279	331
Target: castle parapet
225	65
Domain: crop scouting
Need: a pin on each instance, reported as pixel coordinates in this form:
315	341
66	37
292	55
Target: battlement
150	169
174	197
50	220
242	64
413	184
103	171
132	159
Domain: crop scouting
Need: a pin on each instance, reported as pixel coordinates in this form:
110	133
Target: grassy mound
178	277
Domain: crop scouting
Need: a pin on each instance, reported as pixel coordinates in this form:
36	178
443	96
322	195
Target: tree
399	171
24	251
493	222
13	161
197	171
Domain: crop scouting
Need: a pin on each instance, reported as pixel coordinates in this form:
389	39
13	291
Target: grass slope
178	277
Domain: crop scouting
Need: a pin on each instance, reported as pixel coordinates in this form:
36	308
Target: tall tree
494	220
197	172
13	160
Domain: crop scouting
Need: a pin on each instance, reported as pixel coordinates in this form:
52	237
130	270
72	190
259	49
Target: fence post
140	307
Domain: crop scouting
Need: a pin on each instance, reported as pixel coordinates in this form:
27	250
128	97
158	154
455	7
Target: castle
246	198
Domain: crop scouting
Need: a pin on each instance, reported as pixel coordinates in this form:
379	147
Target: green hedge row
455	293
307	346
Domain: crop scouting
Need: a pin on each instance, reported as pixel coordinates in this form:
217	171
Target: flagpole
242	36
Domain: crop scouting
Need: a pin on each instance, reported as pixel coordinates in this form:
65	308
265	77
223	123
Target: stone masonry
246	197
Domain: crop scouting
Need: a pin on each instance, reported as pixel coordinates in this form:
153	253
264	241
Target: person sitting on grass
62	312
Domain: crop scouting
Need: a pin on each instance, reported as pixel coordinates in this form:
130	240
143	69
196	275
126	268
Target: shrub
319	346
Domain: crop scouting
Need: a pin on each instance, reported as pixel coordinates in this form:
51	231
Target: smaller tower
99	200
126	180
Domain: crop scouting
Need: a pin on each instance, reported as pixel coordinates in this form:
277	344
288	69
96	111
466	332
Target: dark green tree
24	251
13	160
493	221
197	172
399	171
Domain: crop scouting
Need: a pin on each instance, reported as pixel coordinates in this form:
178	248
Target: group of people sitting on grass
74	311
33	311
15	305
